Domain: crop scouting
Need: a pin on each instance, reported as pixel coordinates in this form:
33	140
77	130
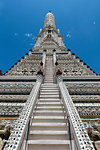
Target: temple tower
50	98
49	37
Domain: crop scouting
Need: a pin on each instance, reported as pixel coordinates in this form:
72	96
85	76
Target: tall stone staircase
49	128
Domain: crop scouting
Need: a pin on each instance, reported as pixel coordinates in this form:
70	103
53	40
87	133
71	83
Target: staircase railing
80	136
54	66
44	61
18	137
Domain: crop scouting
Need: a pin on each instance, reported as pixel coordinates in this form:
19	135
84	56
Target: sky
78	21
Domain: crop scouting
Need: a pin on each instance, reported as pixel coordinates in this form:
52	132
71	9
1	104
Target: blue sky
78	21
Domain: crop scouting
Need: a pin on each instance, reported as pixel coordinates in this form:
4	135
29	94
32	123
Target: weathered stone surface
71	67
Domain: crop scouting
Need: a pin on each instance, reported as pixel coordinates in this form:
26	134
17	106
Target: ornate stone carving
13	98
87	110
15	91
5	131
86	98
83	87
82	84
11	108
16	87
84	91
28	66
16	84
71	67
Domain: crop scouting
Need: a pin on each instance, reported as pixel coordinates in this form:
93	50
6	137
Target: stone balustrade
18	137
44	59
54	61
54	57
81	138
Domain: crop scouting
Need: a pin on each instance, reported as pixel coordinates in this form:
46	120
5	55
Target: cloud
68	35
28	34
31	44
16	34
33	38
94	22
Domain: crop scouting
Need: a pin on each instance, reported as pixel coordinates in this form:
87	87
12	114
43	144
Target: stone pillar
44	58
54	57
54	61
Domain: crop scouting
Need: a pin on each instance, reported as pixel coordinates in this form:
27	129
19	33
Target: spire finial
49	20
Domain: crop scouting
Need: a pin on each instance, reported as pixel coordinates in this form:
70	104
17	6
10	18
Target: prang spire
49	20
49	37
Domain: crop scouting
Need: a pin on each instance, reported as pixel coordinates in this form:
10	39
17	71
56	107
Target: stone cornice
81	78
18	78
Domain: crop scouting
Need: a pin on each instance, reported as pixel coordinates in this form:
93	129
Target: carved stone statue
94	134
97	145
4	134
1	143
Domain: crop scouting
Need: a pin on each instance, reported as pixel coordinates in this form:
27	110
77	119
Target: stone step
48	81
49	126
49	96
48	135
48	117
49	93
47	105
49	100
48	113
49	66
49	74
51	103
40	104
52	89
48	144
43	119
48	85
49	77
50	108
49	90
50	69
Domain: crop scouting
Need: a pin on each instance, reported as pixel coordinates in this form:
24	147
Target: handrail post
44	61
54	66
54	57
